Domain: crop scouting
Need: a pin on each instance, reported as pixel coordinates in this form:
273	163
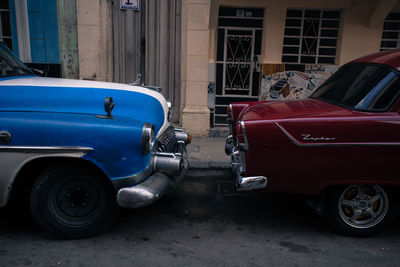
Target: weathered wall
163	46
128	46
147	43
94	39
68	39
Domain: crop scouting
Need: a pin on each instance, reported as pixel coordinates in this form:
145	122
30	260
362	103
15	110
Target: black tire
72	202
361	210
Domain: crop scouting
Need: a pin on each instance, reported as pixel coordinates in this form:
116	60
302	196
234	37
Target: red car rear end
342	144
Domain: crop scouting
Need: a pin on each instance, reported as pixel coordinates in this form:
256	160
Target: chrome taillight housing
241	136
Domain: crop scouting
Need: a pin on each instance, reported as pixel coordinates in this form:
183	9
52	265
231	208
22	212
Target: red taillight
189	139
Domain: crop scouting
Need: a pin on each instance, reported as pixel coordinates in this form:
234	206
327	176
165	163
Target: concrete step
208	153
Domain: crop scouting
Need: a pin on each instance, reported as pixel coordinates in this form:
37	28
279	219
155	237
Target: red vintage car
341	145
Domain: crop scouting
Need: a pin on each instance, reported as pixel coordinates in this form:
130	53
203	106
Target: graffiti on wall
289	85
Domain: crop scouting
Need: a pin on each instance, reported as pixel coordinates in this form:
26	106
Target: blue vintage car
76	150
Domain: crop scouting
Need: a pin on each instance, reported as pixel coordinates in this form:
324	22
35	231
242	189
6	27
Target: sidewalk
207	153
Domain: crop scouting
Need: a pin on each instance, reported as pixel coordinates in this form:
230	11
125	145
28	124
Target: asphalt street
203	223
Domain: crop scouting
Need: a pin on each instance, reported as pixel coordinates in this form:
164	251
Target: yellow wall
356	39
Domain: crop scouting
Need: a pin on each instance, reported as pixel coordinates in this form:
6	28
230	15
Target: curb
209	165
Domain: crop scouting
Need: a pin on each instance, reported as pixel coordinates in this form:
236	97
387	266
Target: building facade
205	54
272	49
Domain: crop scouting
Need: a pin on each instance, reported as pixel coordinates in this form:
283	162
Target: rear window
361	86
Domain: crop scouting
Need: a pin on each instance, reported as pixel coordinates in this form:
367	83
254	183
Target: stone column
94	40
194	66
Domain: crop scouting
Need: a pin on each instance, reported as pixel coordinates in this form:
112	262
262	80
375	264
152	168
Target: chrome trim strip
297	143
245	145
231	121
45	149
231	109
14	158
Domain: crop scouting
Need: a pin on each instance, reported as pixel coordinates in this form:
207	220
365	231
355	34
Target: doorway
238	65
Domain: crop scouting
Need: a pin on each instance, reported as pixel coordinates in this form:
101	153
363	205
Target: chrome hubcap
363	206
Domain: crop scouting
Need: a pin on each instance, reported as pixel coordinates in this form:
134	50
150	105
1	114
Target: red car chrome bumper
238	166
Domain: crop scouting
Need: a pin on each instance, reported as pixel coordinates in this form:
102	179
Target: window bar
1	28
316	60
224	65
251	69
301	36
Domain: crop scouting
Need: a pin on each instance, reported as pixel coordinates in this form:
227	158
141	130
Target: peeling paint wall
68	38
147	43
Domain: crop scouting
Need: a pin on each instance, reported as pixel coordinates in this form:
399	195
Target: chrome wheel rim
363	206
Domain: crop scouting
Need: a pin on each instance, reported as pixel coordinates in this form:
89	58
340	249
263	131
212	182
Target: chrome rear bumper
238	167
250	183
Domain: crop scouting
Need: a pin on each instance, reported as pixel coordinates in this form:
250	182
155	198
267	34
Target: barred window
5	25
391	30
311	36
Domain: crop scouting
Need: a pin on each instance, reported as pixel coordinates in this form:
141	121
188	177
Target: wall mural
289	85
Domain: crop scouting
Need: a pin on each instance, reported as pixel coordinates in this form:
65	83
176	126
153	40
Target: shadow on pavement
206	197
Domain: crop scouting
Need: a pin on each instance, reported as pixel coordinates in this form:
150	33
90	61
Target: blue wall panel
43	30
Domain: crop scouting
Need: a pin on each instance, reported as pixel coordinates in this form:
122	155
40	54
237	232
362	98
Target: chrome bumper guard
169	168
238	167
250	183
